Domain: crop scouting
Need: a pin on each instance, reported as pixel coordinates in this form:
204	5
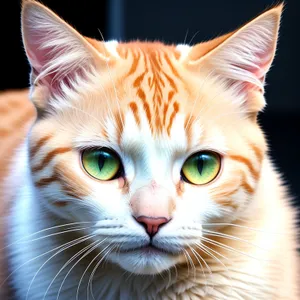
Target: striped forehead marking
154	86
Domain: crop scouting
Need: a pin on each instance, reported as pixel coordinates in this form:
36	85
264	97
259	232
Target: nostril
152	224
144	225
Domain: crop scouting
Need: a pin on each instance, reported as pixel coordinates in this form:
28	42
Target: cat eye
103	164
201	168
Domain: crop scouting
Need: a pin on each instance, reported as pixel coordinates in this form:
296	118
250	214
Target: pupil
101	162
200	164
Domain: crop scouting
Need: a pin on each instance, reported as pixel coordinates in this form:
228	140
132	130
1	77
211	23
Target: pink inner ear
40	59
55	53
264	60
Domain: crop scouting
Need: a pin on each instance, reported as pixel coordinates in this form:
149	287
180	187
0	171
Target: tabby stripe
134	109
162	83
245	161
171	81
154	61
118	118
159	58
139	79
46	181
145	62
73	185
69	191
105	133
225	194
157	119
245	185
146	106
38	145
50	156
229	203
159	100
70	183
166	107
258	152
136	59
176	109
171	95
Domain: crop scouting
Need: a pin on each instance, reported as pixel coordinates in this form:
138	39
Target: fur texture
74	237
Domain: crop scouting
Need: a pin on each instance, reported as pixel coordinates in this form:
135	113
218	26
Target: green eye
102	164
201	168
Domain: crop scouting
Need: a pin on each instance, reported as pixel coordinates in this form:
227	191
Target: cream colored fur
155	105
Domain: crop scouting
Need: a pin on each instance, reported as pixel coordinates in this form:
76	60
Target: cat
146	174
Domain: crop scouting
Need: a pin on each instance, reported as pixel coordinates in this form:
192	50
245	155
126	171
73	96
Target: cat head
145	142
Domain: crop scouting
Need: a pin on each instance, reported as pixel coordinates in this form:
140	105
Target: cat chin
144	263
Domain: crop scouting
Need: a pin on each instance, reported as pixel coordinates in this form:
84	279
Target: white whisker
43	230
73	243
90	283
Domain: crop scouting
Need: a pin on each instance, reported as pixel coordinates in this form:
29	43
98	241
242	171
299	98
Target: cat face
149	144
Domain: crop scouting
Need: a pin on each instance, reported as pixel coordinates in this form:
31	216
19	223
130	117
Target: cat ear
59	56
242	58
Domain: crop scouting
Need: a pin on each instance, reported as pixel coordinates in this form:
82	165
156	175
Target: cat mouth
149	249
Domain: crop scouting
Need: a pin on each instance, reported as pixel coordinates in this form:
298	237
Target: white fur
38	263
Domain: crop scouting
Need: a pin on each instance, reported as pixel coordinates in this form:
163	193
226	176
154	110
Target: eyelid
194	150
90	144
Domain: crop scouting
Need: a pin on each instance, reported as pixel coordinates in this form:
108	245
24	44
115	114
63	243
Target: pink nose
152	224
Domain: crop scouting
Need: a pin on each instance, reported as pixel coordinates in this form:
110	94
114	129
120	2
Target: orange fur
153	82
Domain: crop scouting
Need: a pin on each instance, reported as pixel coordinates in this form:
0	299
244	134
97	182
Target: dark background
179	21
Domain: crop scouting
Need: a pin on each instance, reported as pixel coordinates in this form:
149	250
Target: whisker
86	269
207	251
188	266
58	233
86	113
214	251
43	230
186	35
221	245
65	265
192	263
89	250
197	99
230	237
90	283
240	226
196	255
194	35
33	259
233	288
79	240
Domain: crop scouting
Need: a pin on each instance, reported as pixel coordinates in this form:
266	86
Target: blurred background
181	21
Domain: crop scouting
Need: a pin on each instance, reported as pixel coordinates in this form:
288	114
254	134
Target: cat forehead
148	82
152	99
